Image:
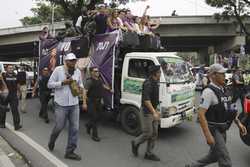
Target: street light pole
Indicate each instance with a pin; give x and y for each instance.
(52, 19)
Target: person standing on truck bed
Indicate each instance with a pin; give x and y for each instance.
(94, 91)
(67, 82)
(44, 93)
(216, 113)
(11, 81)
(150, 116)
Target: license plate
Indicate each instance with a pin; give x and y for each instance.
(189, 117)
(186, 116)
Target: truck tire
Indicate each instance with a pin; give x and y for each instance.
(130, 120)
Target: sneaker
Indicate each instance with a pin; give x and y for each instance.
(51, 146)
(134, 148)
(2, 126)
(96, 138)
(18, 127)
(151, 157)
(73, 156)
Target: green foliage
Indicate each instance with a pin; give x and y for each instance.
(232, 8)
(65, 9)
(43, 14)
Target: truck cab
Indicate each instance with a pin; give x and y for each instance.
(176, 94)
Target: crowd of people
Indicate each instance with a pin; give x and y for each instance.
(104, 20)
(110, 19)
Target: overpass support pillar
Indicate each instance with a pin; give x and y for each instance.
(204, 56)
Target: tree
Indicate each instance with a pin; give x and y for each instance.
(64, 9)
(236, 8)
(42, 14)
(73, 7)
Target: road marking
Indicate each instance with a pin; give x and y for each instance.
(4, 160)
(53, 159)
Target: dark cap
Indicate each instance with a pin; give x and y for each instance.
(153, 69)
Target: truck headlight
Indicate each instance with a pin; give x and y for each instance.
(172, 110)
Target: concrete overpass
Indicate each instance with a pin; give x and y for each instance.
(22, 41)
(202, 34)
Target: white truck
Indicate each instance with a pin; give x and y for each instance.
(124, 68)
(176, 89)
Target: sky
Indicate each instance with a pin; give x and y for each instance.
(13, 10)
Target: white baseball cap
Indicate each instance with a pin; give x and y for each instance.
(70, 56)
(216, 68)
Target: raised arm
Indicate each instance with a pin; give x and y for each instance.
(145, 11)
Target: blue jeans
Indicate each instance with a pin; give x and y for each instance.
(62, 113)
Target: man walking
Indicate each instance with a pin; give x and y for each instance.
(21, 77)
(44, 93)
(216, 113)
(10, 79)
(150, 116)
(3, 107)
(94, 89)
(67, 81)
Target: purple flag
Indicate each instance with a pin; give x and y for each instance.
(103, 57)
(52, 52)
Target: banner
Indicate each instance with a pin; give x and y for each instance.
(52, 51)
(103, 57)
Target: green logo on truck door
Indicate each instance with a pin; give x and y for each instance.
(132, 86)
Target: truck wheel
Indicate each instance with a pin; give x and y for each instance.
(130, 120)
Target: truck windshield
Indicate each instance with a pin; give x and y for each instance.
(175, 70)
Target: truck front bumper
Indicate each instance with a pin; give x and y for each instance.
(174, 120)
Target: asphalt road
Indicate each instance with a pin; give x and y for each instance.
(176, 146)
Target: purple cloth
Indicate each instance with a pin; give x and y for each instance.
(103, 58)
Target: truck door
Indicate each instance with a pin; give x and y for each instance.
(135, 71)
